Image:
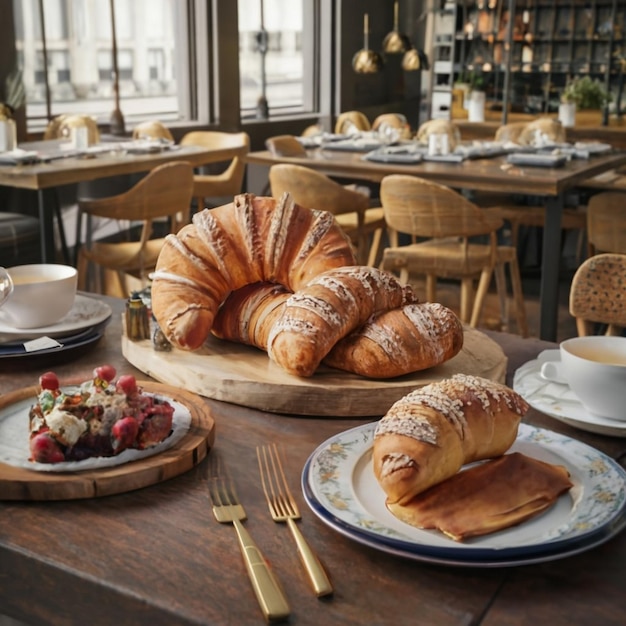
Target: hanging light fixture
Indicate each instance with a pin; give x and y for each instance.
(395, 42)
(117, 117)
(366, 61)
(415, 60)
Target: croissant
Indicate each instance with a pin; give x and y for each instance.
(392, 343)
(248, 314)
(427, 436)
(329, 307)
(253, 239)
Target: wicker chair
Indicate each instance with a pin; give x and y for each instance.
(522, 215)
(447, 222)
(164, 195)
(598, 295)
(349, 121)
(393, 120)
(228, 183)
(351, 208)
(606, 223)
(285, 146)
(152, 129)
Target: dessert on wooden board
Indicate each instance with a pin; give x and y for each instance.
(99, 418)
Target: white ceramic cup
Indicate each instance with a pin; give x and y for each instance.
(42, 295)
(595, 369)
(80, 137)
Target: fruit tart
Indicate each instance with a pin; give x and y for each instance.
(99, 418)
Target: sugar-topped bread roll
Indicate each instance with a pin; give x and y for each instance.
(427, 436)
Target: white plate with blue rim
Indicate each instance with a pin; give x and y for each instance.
(339, 486)
(557, 400)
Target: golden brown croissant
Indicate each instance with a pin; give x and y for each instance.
(329, 307)
(248, 314)
(428, 435)
(253, 239)
(391, 343)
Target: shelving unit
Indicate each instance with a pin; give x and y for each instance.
(549, 42)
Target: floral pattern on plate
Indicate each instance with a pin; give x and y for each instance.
(340, 487)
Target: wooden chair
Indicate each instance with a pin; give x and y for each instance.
(606, 223)
(522, 215)
(285, 146)
(315, 190)
(439, 126)
(152, 129)
(61, 127)
(598, 295)
(350, 121)
(393, 120)
(164, 197)
(447, 223)
(228, 183)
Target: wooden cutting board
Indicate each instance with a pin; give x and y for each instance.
(17, 483)
(244, 375)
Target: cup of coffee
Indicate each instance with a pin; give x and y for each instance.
(595, 369)
(41, 294)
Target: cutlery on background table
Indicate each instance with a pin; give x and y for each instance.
(283, 508)
(227, 509)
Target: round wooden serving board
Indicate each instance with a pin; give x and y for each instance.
(18, 483)
(243, 375)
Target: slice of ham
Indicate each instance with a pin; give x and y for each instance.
(488, 497)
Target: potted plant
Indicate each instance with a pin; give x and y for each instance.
(581, 93)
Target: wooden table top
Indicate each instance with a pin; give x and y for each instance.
(490, 174)
(65, 171)
(157, 556)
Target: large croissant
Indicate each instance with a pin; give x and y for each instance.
(411, 338)
(253, 239)
(391, 343)
(329, 307)
(428, 435)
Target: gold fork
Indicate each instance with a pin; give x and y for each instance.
(226, 509)
(283, 508)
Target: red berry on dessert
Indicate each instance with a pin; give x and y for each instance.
(99, 418)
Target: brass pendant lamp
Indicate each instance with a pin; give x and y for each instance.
(395, 42)
(366, 61)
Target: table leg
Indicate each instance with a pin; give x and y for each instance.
(550, 269)
(49, 198)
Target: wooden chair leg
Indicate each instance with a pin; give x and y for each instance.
(518, 297)
(375, 247)
(404, 275)
(481, 293)
(431, 288)
(467, 297)
(503, 299)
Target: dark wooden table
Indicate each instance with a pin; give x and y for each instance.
(156, 555)
(492, 174)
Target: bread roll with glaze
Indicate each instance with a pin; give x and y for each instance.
(411, 338)
(253, 239)
(427, 436)
(333, 304)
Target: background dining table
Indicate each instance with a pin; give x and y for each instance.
(60, 165)
(157, 556)
(493, 174)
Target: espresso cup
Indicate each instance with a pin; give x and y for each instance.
(594, 367)
(42, 294)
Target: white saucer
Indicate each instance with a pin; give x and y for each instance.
(86, 312)
(558, 400)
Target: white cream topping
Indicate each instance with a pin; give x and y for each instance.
(395, 461)
(64, 426)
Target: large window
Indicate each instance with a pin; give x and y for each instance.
(73, 71)
(276, 55)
